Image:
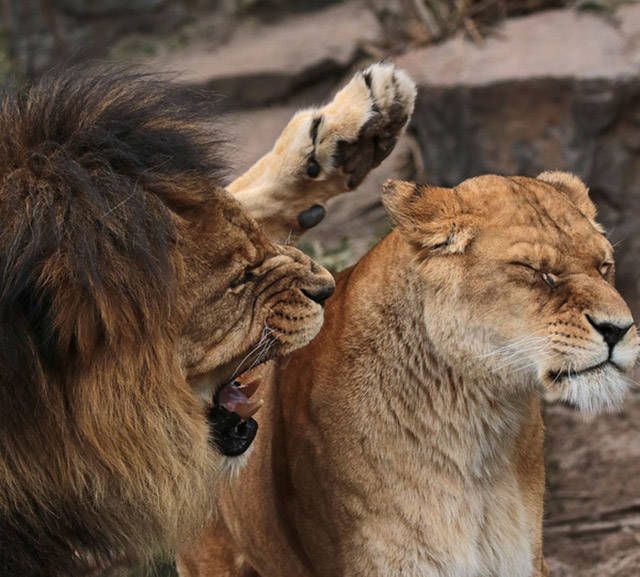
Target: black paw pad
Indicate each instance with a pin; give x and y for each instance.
(313, 168)
(311, 216)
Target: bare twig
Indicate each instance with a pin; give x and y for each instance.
(576, 495)
(427, 19)
(596, 516)
(581, 529)
(472, 31)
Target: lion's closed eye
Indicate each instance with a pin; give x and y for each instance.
(246, 276)
(525, 265)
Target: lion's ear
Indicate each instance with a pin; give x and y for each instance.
(576, 190)
(427, 216)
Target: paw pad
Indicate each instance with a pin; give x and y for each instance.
(392, 96)
(312, 216)
(313, 168)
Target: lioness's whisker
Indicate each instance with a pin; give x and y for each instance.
(515, 347)
(517, 355)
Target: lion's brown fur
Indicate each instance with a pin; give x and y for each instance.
(131, 282)
(109, 209)
(98, 173)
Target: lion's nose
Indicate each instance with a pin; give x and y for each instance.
(319, 294)
(611, 333)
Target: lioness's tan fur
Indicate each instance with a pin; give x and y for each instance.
(407, 439)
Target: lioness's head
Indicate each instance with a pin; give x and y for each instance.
(520, 282)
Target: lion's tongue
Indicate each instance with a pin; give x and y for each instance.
(236, 398)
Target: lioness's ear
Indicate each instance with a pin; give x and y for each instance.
(427, 216)
(570, 185)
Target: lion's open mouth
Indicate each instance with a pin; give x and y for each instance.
(232, 428)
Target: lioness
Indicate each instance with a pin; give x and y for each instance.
(407, 439)
(132, 284)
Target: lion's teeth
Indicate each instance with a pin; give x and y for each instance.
(250, 388)
(235, 398)
(248, 409)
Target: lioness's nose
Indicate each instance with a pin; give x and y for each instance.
(611, 333)
(320, 294)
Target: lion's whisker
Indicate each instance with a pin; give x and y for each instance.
(253, 351)
(260, 351)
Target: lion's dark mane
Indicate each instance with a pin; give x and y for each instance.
(94, 169)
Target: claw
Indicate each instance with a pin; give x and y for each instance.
(246, 410)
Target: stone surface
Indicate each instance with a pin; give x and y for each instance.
(556, 90)
(408, 22)
(556, 44)
(38, 35)
(263, 64)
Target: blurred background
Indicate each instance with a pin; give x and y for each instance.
(505, 86)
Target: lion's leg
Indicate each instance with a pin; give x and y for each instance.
(325, 151)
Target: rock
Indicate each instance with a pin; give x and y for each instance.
(81, 8)
(593, 474)
(556, 44)
(39, 35)
(555, 90)
(407, 22)
(262, 64)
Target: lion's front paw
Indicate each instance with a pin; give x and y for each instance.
(323, 152)
(358, 129)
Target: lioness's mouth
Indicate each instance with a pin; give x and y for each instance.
(557, 376)
(232, 427)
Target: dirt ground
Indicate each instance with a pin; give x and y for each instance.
(593, 504)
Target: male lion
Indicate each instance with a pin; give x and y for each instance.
(407, 439)
(132, 284)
